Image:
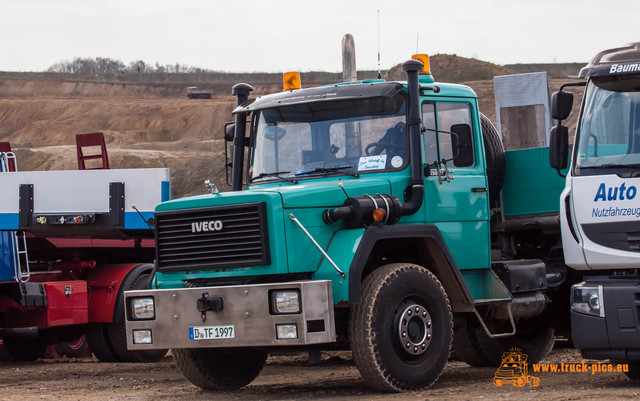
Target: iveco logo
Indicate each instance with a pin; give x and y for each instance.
(204, 226)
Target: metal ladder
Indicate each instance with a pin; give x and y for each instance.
(8, 163)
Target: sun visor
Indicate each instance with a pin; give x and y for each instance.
(320, 94)
(621, 60)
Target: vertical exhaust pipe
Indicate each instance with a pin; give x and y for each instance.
(241, 91)
(411, 67)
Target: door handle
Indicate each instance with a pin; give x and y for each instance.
(479, 189)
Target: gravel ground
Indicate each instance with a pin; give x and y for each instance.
(291, 378)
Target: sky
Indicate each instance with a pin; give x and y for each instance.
(303, 35)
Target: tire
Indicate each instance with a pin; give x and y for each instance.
(73, 349)
(99, 343)
(25, 349)
(634, 369)
(395, 348)
(466, 346)
(220, 368)
(116, 334)
(534, 340)
(494, 155)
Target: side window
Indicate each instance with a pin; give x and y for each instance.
(448, 135)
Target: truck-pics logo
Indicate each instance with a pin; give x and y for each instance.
(514, 369)
(206, 226)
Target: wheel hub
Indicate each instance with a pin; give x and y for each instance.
(415, 329)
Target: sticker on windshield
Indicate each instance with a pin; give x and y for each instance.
(372, 162)
(396, 161)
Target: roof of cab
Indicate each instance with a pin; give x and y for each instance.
(621, 60)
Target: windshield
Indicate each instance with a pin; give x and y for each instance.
(609, 133)
(330, 137)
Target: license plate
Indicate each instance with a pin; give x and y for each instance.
(211, 332)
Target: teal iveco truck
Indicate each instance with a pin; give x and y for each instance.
(370, 216)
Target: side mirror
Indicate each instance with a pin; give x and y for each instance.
(559, 147)
(229, 131)
(461, 145)
(561, 104)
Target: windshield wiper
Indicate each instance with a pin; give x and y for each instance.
(275, 174)
(328, 170)
(612, 165)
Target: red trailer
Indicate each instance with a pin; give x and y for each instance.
(71, 242)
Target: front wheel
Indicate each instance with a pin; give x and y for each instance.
(220, 368)
(401, 331)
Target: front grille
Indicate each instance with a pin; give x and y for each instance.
(224, 236)
(622, 235)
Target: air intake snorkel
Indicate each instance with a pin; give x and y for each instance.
(357, 211)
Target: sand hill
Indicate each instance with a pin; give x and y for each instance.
(154, 124)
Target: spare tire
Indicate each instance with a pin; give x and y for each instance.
(494, 155)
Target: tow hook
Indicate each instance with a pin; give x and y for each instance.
(205, 304)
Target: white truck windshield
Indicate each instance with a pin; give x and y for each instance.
(609, 133)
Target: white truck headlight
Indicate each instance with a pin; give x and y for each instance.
(587, 299)
(142, 308)
(285, 302)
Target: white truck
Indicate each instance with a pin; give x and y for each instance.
(600, 206)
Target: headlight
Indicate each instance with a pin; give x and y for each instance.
(287, 331)
(142, 308)
(142, 337)
(587, 299)
(285, 302)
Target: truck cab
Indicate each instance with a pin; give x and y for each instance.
(599, 206)
(362, 217)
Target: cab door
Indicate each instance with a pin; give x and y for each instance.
(456, 192)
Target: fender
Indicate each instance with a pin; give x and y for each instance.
(433, 245)
(107, 284)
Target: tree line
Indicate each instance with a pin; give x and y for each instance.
(106, 65)
(108, 69)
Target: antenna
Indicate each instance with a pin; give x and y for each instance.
(141, 216)
(379, 74)
(417, 42)
(343, 190)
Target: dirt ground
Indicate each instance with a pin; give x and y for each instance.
(290, 378)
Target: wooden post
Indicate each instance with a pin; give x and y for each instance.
(349, 73)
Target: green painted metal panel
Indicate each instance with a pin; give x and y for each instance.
(484, 285)
(531, 186)
(468, 242)
(341, 250)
